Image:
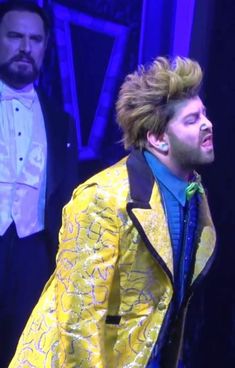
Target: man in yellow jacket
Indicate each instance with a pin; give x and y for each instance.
(136, 238)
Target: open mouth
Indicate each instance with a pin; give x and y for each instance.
(207, 141)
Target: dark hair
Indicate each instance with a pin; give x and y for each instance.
(25, 5)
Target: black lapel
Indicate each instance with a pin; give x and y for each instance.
(140, 178)
(141, 181)
(56, 132)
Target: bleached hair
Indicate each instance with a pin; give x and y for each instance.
(148, 97)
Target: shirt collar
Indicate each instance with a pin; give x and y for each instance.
(162, 174)
(25, 95)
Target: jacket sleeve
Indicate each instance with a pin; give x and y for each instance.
(85, 269)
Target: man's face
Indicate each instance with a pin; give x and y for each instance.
(189, 135)
(22, 47)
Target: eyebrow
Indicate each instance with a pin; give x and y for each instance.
(196, 113)
(191, 114)
(18, 33)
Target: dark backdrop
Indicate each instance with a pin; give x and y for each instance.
(216, 345)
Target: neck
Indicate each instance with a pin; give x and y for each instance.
(181, 172)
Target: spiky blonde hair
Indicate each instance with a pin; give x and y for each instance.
(148, 97)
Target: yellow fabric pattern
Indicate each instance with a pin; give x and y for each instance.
(104, 269)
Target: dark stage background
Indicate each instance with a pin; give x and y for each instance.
(96, 43)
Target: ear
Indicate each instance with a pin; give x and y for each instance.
(159, 143)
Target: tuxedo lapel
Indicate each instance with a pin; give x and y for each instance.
(56, 145)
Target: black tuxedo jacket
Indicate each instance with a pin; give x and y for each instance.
(62, 166)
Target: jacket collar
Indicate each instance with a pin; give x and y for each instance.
(141, 179)
(146, 211)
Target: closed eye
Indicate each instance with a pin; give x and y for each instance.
(191, 119)
(37, 38)
(14, 35)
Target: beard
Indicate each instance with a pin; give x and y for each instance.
(20, 76)
(189, 157)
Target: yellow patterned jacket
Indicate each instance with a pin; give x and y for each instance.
(106, 302)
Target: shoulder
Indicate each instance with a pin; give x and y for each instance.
(50, 107)
(109, 185)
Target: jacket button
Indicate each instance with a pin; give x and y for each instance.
(161, 306)
(149, 344)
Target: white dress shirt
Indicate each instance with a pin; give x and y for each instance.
(22, 160)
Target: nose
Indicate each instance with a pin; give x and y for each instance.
(25, 45)
(206, 124)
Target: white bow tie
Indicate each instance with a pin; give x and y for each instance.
(25, 97)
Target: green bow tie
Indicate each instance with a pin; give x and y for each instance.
(194, 186)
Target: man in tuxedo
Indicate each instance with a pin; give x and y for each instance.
(37, 146)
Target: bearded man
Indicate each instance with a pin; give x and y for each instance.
(37, 145)
(136, 239)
